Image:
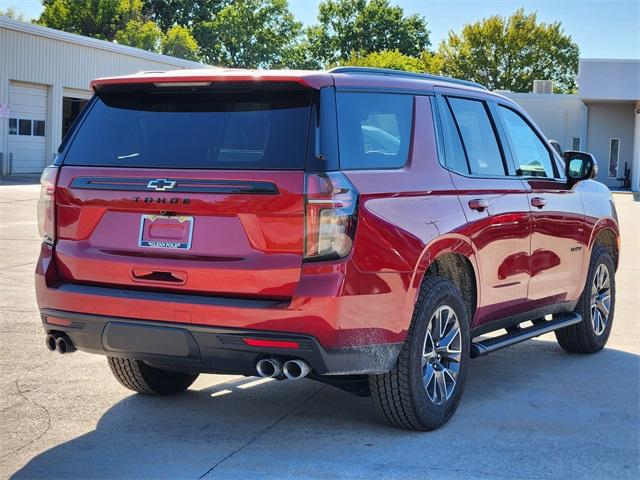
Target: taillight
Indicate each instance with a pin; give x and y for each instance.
(331, 216)
(47, 205)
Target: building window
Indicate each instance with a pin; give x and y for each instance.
(24, 127)
(575, 143)
(614, 150)
(38, 128)
(21, 126)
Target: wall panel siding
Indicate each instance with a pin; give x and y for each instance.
(57, 62)
(36, 59)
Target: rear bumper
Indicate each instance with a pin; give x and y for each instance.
(333, 302)
(185, 347)
(350, 322)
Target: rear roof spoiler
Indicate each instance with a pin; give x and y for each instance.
(210, 76)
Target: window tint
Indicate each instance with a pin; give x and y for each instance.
(454, 151)
(236, 130)
(374, 129)
(478, 137)
(531, 156)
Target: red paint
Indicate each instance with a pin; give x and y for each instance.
(252, 246)
(257, 342)
(219, 75)
(242, 244)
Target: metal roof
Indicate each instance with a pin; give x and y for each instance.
(41, 31)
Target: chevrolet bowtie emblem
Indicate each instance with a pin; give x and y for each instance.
(161, 184)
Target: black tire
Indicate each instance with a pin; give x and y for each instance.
(143, 378)
(582, 337)
(400, 395)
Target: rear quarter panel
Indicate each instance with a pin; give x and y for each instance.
(407, 217)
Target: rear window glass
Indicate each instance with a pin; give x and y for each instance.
(374, 130)
(209, 130)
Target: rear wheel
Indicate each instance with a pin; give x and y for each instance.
(143, 378)
(425, 387)
(596, 306)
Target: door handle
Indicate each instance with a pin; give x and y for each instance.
(478, 204)
(538, 202)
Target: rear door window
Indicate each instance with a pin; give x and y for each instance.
(478, 136)
(455, 157)
(208, 130)
(374, 129)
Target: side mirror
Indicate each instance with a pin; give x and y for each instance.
(580, 166)
(556, 146)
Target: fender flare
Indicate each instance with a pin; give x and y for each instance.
(600, 226)
(437, 247)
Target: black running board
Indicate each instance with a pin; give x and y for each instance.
(484, 347)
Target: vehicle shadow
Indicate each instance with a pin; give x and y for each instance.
(530, 409)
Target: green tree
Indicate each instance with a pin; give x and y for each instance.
(250, 34)
(510, 53)
(360, 27)
(178, 42)
(386, 59)
(187, 13)
(93, 18)
(140, 34)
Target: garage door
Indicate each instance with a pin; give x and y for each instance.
(27, 127)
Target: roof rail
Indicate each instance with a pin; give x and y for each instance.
(401, 73)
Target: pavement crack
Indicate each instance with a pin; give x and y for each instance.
(262, 432)
(21, 393)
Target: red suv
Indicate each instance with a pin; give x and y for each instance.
(361, 227)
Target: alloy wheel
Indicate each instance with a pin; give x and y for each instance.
(441, 355)
(600, 299)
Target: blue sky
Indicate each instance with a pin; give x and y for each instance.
(602, 29)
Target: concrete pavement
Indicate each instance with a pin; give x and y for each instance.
(531, 411)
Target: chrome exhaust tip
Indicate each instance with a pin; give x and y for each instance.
(269, 368)
(64, 345)
(51, 342)
(295, 369)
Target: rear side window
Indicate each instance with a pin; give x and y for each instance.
(455, 157)
(478, 137)
(208, 130)
(531, 155)
(374, 130)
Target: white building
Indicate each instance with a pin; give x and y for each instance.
(44, 83)
(603, 118)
